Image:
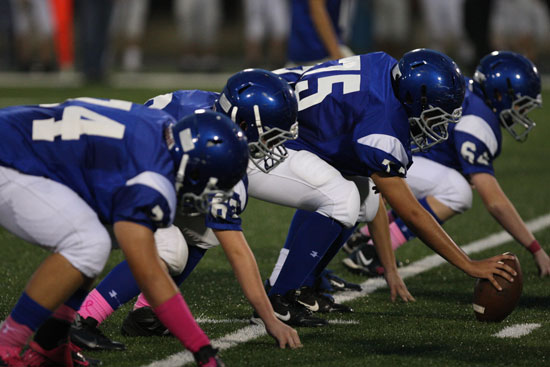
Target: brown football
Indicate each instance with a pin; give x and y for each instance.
(489, 304)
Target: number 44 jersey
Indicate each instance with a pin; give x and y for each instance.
(349, 116)
(112, 153)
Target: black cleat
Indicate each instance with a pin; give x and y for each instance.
(143, 322)
(206, 356)
(86, 335)
(364, 260)
(315, 301)
(289, 311)
(329, 282)
(356, 239)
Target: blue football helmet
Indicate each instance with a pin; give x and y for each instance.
(266, 108)
(431, 87)
(510, 85)
(211, 156)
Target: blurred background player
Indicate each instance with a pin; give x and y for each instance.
(75, 185)
(33, 32)
(265, 107)
(316, 31)
(128, 24)
(505, 88)
(266, 20)
(198, 23)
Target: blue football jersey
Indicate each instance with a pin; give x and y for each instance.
(111, 153)
(304, 44)
(474, 142)
(349, 116)
(183, 102)
(222, 216)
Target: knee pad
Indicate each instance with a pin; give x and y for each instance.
(90, 255)
(369, 206)
(172, 249)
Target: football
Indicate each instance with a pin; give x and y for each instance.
(489, 304)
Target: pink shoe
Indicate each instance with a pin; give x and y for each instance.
(11, 356)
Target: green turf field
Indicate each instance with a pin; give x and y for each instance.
(437, 330)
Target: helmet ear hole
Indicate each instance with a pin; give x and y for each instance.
(243, 125)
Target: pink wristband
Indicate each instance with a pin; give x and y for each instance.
(534, 247)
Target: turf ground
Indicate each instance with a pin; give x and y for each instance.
(439, 329)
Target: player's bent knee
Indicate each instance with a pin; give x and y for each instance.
(87, 254)
(369, 206)
(459, 196)
(172, 249)
(346, 204)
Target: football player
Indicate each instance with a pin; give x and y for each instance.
(505, 88)
(265, 107)
(357, 117)
(66, 170)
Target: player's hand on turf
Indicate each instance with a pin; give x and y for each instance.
(397, 286)
(543, 262)
(487, 269)
(283, 334)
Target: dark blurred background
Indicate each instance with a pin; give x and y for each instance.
(100, 38)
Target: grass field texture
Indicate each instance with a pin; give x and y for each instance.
(439, 329)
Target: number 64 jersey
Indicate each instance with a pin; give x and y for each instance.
(111, 153)
(349, 116)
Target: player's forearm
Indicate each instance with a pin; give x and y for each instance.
(431, 233)
(508, 217)
(137, 243)
(379, 230)
(246, 271)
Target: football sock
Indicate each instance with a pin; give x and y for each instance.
(278, 266)
(26, 317)
(177, 317)
(96, 307)
(334, 248)
(308, 240)
(365, 228)
(195, 255)
(117, 288)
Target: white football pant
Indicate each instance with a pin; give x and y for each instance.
(44, 212)
(429, 178)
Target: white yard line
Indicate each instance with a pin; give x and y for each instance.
(253, 331)
(517, 330)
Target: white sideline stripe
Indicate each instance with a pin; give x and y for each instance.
(205, 320)
(517, 330)
(254, 331)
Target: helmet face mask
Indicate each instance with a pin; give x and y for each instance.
(268, 151)
(515, 119)
(510, 85)
(431, 87)
(210, 154)
(265, 106)
(431, 127)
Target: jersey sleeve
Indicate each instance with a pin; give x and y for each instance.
(476, 145)
(383, 153)
(148, 199)
(226, 215)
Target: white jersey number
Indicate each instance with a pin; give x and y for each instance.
(468, 150)
(348, 76)
(78, 120)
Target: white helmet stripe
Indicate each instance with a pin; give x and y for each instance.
(258, 119)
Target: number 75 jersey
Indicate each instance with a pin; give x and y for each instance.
(349, 116)
(111, 153)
